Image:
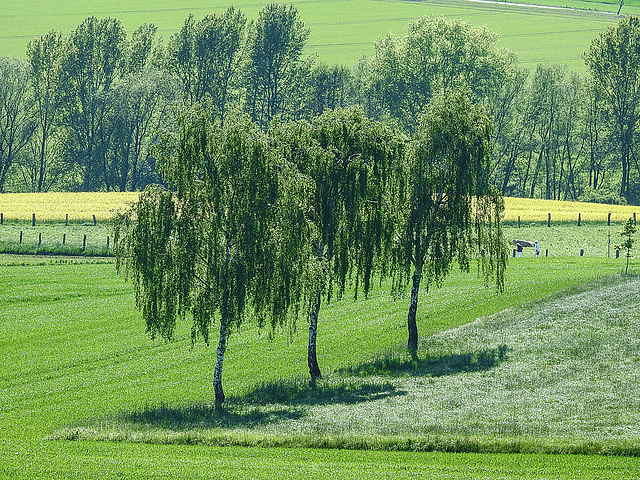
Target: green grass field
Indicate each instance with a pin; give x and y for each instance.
(562, 239)
(75, 238)
(77, 364)
(342, 31)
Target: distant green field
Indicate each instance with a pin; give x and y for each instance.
(342, 31)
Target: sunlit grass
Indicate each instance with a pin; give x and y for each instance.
(77, 364)
(75, 347)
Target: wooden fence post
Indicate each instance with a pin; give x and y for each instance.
(66, 220)
(549, 220)
(109, 239)
(40, 239)
(64, 238)
(84, 242)
(518, 221)
(1, 218)
(20, 236)
(609, 220)
(579, 218)
(95, 222)
(33, 220)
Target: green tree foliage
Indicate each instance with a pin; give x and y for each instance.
(144, 49)
(613, 61)
(448, 211)
(100, 98)
(506, 100)
(346, 161)
(16, 125)
(276, 41)
(329, 88)
(42, 166)
(550, 125)
(92, 60)
(627, 232)
(140, 109)
(434, 55)
(208, 246)
(206, 56)
(601, 151)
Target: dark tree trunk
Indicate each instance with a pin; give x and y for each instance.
(412, 344)
(312, 359)
(217, 374)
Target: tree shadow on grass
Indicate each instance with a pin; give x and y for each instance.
(283, 400)
(206, 416)
(396, 365)
(335, 390)
(268, 403)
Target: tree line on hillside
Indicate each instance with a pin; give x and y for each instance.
(84, 111)
(269, 224)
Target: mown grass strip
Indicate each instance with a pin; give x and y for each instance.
(383, 443)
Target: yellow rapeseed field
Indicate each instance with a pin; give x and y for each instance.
(82, 207)
(533, 210)
(55, 206)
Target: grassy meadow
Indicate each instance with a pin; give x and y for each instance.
(516, 372)
(342, 31)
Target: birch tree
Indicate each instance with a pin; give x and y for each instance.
(206, 247)
(346, 161)
(448, 212)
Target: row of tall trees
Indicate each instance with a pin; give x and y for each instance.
(85, 109)
(268, 225)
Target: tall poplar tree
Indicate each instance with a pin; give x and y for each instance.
(613, 61)
(435, 54)
(206, 55)
(43, 55)
(91, 62)
(16, 125)
(448, 210)
(274, 51)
